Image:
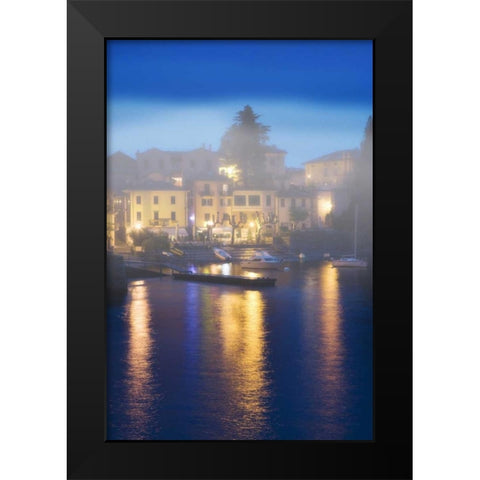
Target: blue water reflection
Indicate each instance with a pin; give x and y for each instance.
(200, 361)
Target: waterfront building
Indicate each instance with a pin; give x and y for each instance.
(158, 206)
(253, 213)
(210, 207)
(296, 208)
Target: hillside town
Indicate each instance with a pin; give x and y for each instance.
(242, 194)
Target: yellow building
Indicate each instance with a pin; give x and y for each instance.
(334, 170)
(158, 206)
(254, 211)
(211, 203)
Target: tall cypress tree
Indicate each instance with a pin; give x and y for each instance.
(244, 144)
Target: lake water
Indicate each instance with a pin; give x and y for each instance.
(193, 361)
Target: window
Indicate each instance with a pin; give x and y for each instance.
(254, 200)
(138, 200)
(269, 200)
(139, 216)
(282, 202)
(293, 203)
(207, 217)
(222, 202)
(155, 200)
(155, 215)
(173, 216)
(207, 201)
(172, 200)
(239, 200)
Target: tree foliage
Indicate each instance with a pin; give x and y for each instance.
(244, 144)
(298, 214)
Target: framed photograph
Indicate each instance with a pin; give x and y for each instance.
(239, 239)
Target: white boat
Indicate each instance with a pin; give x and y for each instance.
(351, 260)
(222, 254)
(262, 259)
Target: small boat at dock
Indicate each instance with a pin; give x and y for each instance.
(351, 261)
(262, 259)
(222, 254)
(226, 279)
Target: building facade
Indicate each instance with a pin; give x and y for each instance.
(158, 206)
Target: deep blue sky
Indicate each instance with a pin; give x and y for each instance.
(315, 95)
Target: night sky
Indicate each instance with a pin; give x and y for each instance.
(316, 95)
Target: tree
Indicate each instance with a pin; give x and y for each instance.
(298, 214)
(244, 144)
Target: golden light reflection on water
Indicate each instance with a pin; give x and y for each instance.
(242, 329)
(331, 346)
(139, 372)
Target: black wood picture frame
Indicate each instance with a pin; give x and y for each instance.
(389, 24)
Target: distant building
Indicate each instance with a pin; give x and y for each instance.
(274, 161)
(179, 168)
(332, 176)
(331, 171)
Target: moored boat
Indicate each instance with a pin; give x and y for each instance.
(349, 261)
(262, 259)
(222, 254)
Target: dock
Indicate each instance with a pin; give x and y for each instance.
(226, 279)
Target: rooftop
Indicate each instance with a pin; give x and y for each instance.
(338, 155)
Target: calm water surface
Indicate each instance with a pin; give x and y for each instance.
(192, 361)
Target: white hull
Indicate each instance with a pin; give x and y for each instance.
(262, 260)
(222, 255)
(351, 263)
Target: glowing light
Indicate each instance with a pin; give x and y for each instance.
(328, 206)
(138, 226)
(252, 224)
(192, 218)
